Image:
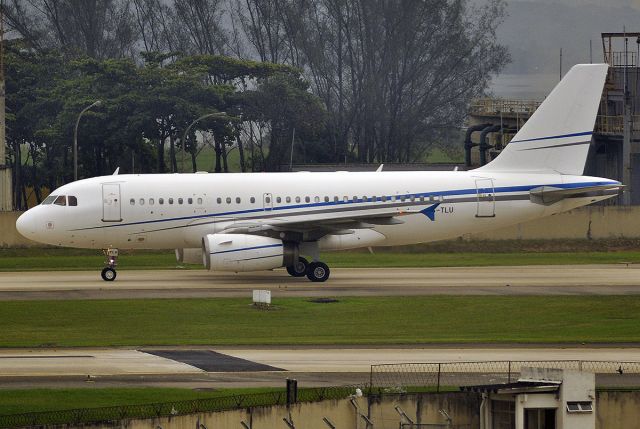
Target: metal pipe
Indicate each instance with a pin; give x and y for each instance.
(468, 144)
(484, 146)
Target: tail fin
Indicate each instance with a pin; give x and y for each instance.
(557, 136)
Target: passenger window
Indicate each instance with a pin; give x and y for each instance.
(374, 199)
(355, 199)
(228, 200)
(267, 200)
(345, 199)
(142, 201)
(297, 199)
(73, 201)
(61, 201)
(151, 201)
(393, 198)
(384, 198)
(161, 201)
(278, 200)
(199, 201)
(219, 200)
(326, 199)
(238, 200)
(180, 200)
(170, 200)
(288, 199)
(307, 199)
(132, 201)
(253, 200)
(316, 199)
(336, 199)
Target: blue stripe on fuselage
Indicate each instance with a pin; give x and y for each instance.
(504, 189)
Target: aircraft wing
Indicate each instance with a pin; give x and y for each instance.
(310, 227)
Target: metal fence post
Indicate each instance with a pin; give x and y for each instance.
(509, 379)
(439, 367)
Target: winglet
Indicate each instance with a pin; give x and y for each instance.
(115, 173)
(379, 168)
(430, 212)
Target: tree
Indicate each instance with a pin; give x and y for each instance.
(282, 104)
(96, 28)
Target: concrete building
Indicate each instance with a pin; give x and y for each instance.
(615, 152)
(540, 399)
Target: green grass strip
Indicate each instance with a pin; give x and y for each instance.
(367, 320)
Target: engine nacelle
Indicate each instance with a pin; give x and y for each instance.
(189, 256)
(244, 252)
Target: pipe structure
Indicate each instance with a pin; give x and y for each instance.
(484, 146)
(468, 144)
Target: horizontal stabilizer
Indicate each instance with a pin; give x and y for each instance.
(548, 195)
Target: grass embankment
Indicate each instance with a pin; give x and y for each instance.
(370, 320)
(73, 259)
(15, 401)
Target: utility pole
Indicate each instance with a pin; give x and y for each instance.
(627, 127)
(6, 188)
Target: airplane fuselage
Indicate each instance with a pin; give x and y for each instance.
(177, 210)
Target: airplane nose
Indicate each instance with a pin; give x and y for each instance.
(25, 224)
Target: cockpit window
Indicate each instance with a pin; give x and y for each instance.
(61, 200)
(73, 201)
(49, 199)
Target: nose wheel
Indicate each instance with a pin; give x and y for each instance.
(108, 273)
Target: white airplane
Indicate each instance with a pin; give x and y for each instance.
(262, 221)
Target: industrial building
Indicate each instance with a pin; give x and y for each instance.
(615, 152)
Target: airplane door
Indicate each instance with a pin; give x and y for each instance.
(111, 203)
(267, 201)
(486, 198)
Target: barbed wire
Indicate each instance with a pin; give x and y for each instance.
(405, 376)
(166, 409)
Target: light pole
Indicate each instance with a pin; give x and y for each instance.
(75, 138)
(184, 136)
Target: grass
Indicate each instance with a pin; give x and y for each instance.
(14, 401)
(369, 320)
(74, 259)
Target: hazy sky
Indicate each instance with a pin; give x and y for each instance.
(536, 30)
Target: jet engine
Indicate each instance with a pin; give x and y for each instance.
(189, 256)
(244, 252)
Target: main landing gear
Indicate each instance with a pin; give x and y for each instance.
(109, 272)
(315, 271)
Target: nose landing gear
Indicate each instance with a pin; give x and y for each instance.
(109, 272)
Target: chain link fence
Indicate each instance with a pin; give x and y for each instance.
(404, 376)
(110, 414)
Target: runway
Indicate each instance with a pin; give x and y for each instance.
(260, 366)
(619, 279)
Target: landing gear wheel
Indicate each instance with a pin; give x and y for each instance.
(108, 274)
(299, 269)
(318, 272)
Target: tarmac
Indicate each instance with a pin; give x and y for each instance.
(615, 279)
(207, 367)
(244, 367)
